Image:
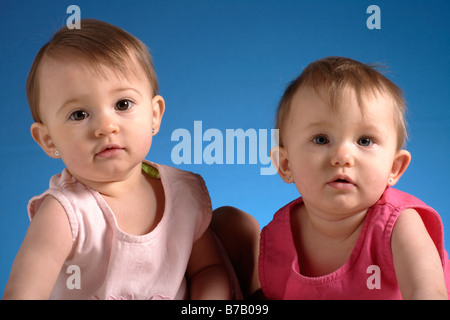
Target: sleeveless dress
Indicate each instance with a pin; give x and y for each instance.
(368, 273)
(107, 263)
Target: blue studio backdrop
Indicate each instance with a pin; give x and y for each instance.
(222, 67)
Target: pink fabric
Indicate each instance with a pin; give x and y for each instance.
(117, 265)
(278, 263)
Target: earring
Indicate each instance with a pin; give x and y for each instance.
(56, 153)
(391, 180)
(153, 131)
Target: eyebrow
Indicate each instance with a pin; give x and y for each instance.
(65, 104)
(315, 124)
(126, 89)
(370, 127)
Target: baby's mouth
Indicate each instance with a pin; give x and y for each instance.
(109, 150)
(342, 182)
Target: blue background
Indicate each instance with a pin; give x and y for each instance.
(226, 63)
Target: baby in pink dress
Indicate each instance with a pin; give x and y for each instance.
(350, 235)
(111, 225)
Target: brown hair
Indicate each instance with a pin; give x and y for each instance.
(334, 74)
(99, 43)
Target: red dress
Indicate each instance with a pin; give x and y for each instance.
(368, 273)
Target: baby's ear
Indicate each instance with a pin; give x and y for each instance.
(401, 163)
(158, 106)
(40, 134)
(280, 161)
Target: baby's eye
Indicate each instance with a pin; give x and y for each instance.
(78, 115)
(365, 142)
(123, 105)
(321, 140)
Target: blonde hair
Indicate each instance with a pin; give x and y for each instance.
(333, 75)
(98, 43)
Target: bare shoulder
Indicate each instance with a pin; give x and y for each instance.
(52, 216)
(46, 246)
(408, 218)
(410, 234)
(416, 259)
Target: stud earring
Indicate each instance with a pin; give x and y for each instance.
(391, 180)
(56, 153)
(153, 131)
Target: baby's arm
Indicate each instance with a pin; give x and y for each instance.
(418, 266)
(206, 272)
(46, 246)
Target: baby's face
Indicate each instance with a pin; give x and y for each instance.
(101, 125)
(341, 161)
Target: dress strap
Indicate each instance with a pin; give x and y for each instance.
(150, 170)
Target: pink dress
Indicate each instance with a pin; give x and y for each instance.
(107, 263)
(368, 273)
